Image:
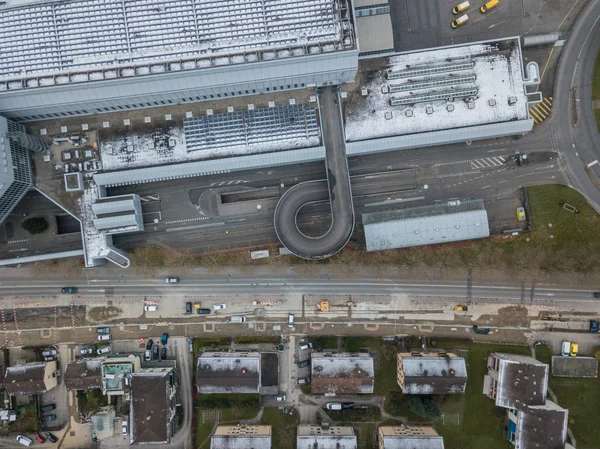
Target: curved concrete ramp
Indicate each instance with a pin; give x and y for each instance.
(337, 184)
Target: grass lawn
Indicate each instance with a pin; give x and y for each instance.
(27, 421)
(283, 431)
(472, 421)
(256, 340)
(203, 431)
(365, 435)
(581, 397)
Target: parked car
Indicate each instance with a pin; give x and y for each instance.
(124, 427)
(39, 438)
(304, 363)
(49, 359)
(202, 311)
(188, 308)
(148, 355)
(155, 352)
(593, 326)
(103, 330)
(574, 350)
(521, 214)
(480, 331)
(191, 343)
(152, 308)
(69, 290)
(48, 418)
(103, 350)
(22, 439)
(305, 346)
(171, 280)
(163, 353)
(86, 351)
(238, 319)
(280, 398)
(47, 408)
(49, 352)
(164, 339)
(596, 294)
(304, 380)
(149, 344)
(333, 406)
(104, 337)
(51, 437)
(219, 306)
(347, 405)
(565, 348)
(291, 319)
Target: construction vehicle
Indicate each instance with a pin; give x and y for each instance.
(461, 308)
(323, 305)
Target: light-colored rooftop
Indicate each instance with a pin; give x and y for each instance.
(375, 33)
(58, 42)
(429, 84)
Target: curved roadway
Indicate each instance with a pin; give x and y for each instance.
(574, 131)
(338, 184)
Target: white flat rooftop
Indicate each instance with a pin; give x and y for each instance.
(450, 87)
(74, 38)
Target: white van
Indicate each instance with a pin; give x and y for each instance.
(24, 440)
(333, 406)
(291, 320)
(238, 319)
(566, 348)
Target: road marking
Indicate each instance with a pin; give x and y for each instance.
(398, 200)
(18, 241)
(186, 220)
(494, 161)
(187, 228)
(449, 175)
(541, 111)
(567, 15)
(486, 187)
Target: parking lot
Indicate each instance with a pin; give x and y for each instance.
(421, 24)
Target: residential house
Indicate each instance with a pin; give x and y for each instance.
(342, 373)
(228, 372)
(519, 384)
(431, 373)
(409, 437)
(314, 437)
(83, 374)
(241, 437)
(30, 378)
(152, 408)
(514, 380)
(116, 371)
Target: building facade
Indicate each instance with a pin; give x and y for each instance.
(334, 437)
(114, 56)
(241, 436)
(404, 437)
(431, 373)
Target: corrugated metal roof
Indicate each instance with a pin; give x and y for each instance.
(363, 3)
(446, 136)
(112, 207)
(375, 33)
(214, 166)
(425, 225)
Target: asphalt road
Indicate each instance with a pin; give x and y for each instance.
(573, 126)
(340, 192)
(278, 285)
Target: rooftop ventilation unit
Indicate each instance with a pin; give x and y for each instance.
(412, 99)
(466, 65)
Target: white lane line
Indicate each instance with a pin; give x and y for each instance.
(486, 187)
(498, 161)
(187, 228)
(399, 200)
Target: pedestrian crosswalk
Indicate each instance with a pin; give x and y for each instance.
(488, 162)
(540, 111)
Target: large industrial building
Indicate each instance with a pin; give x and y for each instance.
(84, 57)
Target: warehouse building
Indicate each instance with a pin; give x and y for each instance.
(426, 225)
(85, 57)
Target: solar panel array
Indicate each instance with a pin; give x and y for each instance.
(63, 36)
(448, 81)
(443, 95)
(252, 128)
(430, 70)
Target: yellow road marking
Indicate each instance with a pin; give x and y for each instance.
(533, 112)
(543, 107)
(570, 10)
(545, 67)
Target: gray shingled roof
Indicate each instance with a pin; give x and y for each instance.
(342, 373)
(434, 375)
(149, 409)
(228, 375)
(83, 374)
(25, 379)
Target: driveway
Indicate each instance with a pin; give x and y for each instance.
(58, 395)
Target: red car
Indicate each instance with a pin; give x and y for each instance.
(39, 438)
